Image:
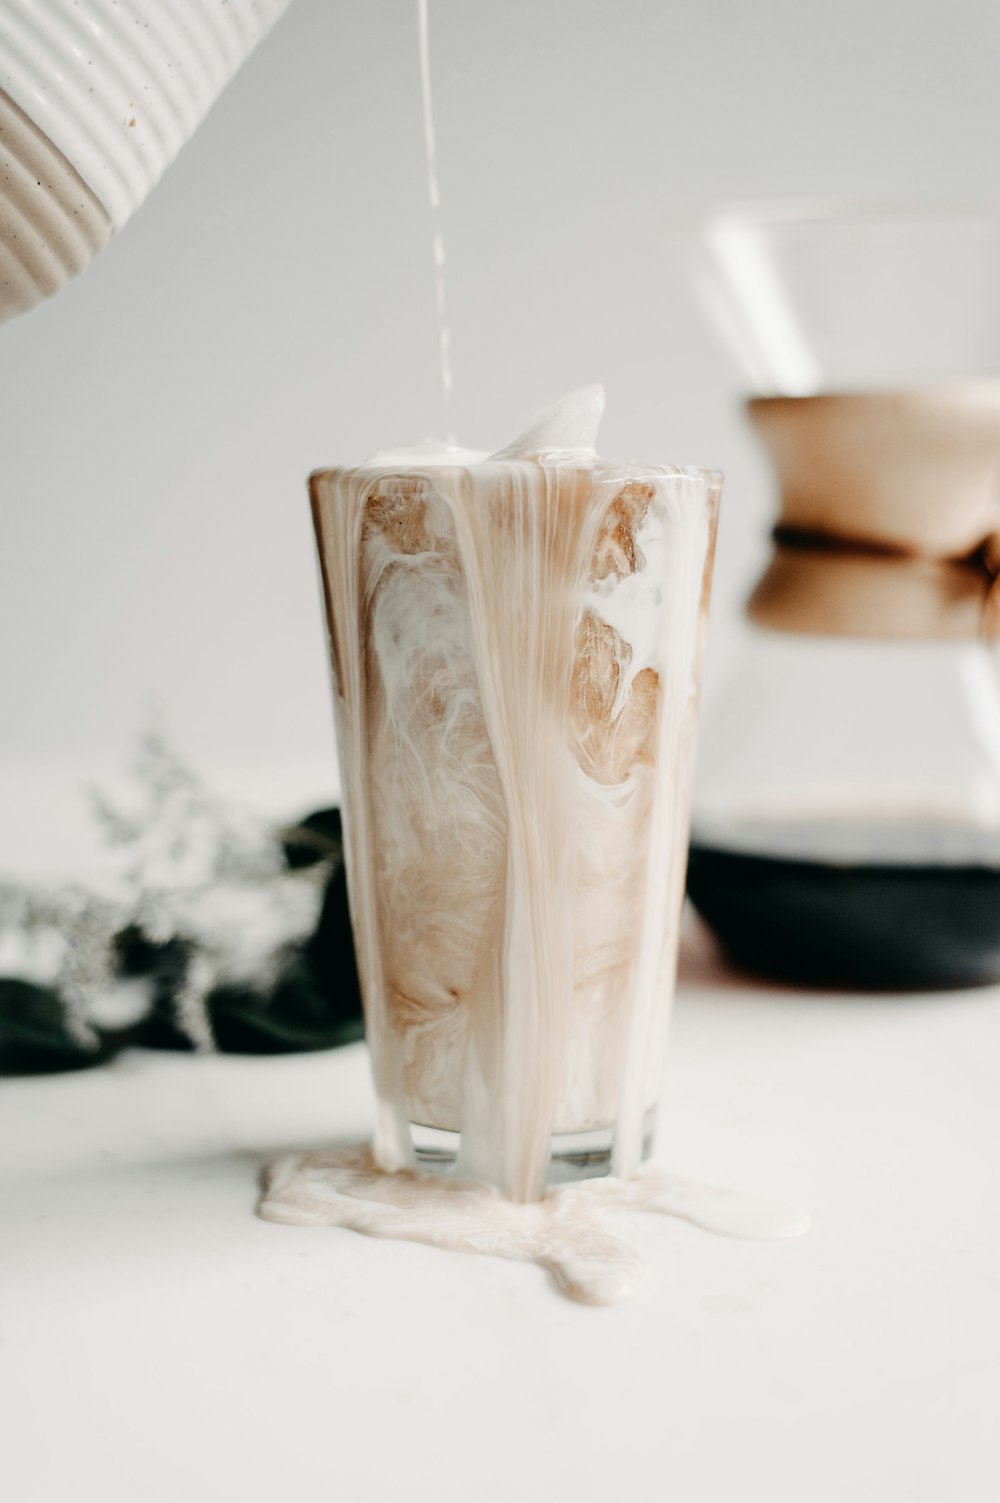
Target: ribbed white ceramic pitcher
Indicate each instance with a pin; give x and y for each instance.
(96, 99)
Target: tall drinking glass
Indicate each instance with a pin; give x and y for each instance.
(516, 646)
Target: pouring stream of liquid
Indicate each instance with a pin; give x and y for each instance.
(444, 331)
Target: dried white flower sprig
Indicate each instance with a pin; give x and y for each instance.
(195, 872)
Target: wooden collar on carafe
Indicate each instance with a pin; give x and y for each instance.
(890, 513)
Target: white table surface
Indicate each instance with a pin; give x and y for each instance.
(158, 1343)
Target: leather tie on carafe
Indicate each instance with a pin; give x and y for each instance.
(890, 513)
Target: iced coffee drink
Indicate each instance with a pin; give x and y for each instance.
(516, 642)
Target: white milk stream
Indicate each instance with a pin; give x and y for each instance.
(434, 193)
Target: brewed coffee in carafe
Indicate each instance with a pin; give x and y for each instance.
(847, 814)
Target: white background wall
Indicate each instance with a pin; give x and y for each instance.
(271, 309)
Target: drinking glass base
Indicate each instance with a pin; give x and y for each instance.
(573, 1155)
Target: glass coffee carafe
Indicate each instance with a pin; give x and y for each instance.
(847, 810)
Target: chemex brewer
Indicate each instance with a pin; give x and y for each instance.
(847, 815)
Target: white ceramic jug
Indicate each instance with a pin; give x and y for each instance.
(96, 99)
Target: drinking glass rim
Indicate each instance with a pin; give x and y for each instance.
(631, 468)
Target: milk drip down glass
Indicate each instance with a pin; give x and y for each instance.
(516, 643)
